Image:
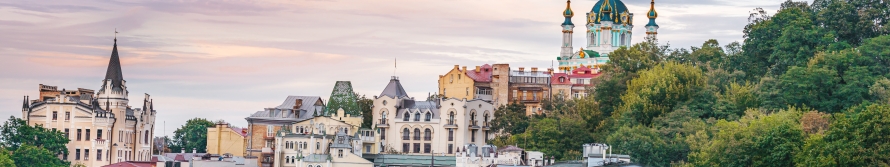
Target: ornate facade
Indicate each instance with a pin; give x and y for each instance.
(103, 128)
(609, 26)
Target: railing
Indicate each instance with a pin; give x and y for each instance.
(417, 137)
(367, 138)
(405, 137)
(427, 138)
(267, 150)
(382, 123)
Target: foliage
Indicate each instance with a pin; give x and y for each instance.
(659, 90)
(814, 122)
(5, 158)
(510, 119)
(645, 145)
(364, 104)
(16, 132)
(191, 135)
(28, 155)
(858, 137)
(758, 139)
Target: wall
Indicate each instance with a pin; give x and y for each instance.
(456, 84)
(222, 139)
(500, 78)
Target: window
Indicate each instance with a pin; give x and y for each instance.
(416, 147)
(450, 134)
(524, 95)
(468, 91)
(444, 91)
(76, 154)
(88, 135)
(406, 117)
(416, 134)
(405, 147)
(340, 153)
(405, 134)
(55, 115)
(562, 79)
(317, 145)
(78, 134)
(473, 136)
(368, 148)
(485, 119)
(382, 134)
(515, 95)
(451, 118)
(429, 116)
(417, 116)
(99, 134)
(145, 135)
(426, 147)
(86, 154)
(66, 133)
(450, 148)
(67, 116)
(427, 134)
(99, 155)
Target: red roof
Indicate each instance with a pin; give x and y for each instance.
(554, 80)
(484, 74)
(131, 164)
(240, 131)
(582, 72)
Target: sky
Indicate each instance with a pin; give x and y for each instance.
(226, 59)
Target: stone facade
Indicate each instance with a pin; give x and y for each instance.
(103, 128)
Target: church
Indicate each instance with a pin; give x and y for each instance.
(102, 128)
(609, 26)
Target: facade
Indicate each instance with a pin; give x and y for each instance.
(609, 26)
(223, 139)
(500, 84)
(411, 127)
(320, 142)
(262, 125)
(529, 88)
(103, 128)
(482, 86)
(574, 84)
(456, 84)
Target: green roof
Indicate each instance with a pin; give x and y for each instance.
(343, 97)
(591, 53)
(410, 160)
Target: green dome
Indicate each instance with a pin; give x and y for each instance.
(609, 10)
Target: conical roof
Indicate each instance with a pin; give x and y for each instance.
(394, 89)
(343, 97)
(25, 103)
(114, 69)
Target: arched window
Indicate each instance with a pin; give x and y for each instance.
(623, 36)
(405, 134)
(485, 119)
(146, 136)
(407, 116)
(427, 134)
(429, 116)
(592, 39)
(417, 116)
(451, 118)
(416, 134)
(317, 145)
(473, 118)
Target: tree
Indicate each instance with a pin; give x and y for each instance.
(644, 145)
(660, 90)
(16, 132)
(5, 159)
(758, 139)
(510, 119)
(364, 104)
(28, 155)
(191, 135)
(860, 136)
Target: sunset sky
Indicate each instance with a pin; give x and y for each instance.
(227, 59)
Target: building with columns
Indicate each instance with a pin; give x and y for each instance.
(437, 126)
(609, 26)
(103, 128)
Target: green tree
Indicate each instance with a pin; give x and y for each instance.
(16, 132)
(758, 139)
(644, 145)
(5, 158)
(364, 104)
(28, 155)
(191, 135)
(510, 119)
(860, 136)
(661, 89)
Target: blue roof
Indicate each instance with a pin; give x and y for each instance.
(652, 23)
(615, 8)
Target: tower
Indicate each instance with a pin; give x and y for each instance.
(113, 93)
(26, 108)
(567, 28)
(652, 28)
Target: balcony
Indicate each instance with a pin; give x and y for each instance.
(269, 136)
(367, 139)
(486, 126)
(450, 126)
(473, 124)
(267, 150)
(382, 123)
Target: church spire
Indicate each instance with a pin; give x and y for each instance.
(25, 104)
(652, 27)
(568, 14)
(567, 30)
(114, 67)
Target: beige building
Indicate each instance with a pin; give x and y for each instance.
(456, 84)
(530, 88)
(223, 139)
(262, 125)
(320, 142)
(103, 128)
(407, 126)
(485, 82)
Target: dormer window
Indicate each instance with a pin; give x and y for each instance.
(562, 79)
(428, 117)
(417, 116)
(406, 117)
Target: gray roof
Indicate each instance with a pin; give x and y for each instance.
(114, 70)
(394, 89)
(423, 106)
(308, 102)
(284, 111)
(316, 158)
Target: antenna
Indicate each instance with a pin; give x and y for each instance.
(395, 63)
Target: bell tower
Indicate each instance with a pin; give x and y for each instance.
(652, 28)
(567, 28)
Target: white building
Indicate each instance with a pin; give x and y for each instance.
(404, 125)
(609, 27)
(103, 128)
(598, 154)
(319, 142)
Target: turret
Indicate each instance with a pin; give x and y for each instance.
(114, 88)
(567, 30)
(651, 27)
(26, 108)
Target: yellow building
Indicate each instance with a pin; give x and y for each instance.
(456, 84)
(223, 139)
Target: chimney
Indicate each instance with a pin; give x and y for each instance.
(549, 70)
(182, 151)
(521, 69)
(534, 69)
(456, 66)
(298, 104)
(194, 150)
(477, 68)
(464, 68)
